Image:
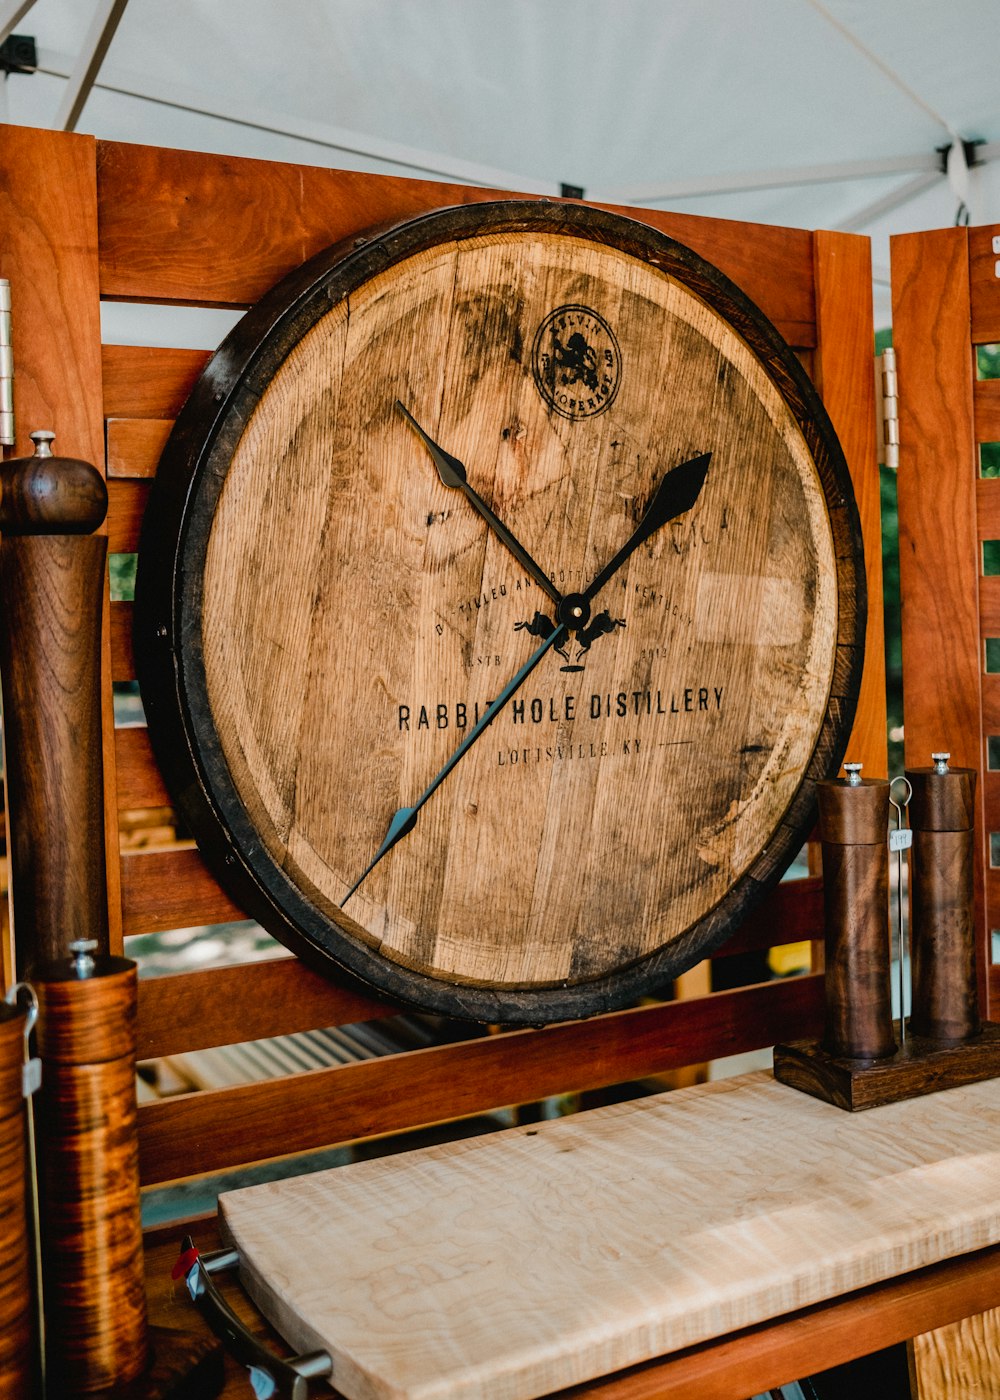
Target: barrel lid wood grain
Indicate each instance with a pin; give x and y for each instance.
(521, 451)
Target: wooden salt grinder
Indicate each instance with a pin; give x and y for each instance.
(95, 1304)
(942, 923)
(854, 825)
(15, 1276)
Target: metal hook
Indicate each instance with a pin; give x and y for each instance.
(12, 999)
(899, 841)
(906, 800)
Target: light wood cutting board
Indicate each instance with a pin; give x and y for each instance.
(510, 1266)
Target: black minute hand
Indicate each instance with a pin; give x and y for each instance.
(676, 493)
(405, 818)
(452, 472)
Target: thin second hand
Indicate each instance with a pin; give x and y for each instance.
(405, 818)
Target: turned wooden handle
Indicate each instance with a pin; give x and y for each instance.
(51, 595)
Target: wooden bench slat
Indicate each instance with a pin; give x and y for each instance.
(171, 889)
(986, 407)
(991, 705)
(988, 508)
(220, 1128)
(135, 445)
(140, 782)
(147, 381)
(126, 507)
(122, 656)
(226, 1005)
(989, 606)
(177, 228)
(221, 1006)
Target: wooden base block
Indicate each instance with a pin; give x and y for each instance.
(182, 1366)
(920, 1067)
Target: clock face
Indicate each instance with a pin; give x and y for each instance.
(507, 583)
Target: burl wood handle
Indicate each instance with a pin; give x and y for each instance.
(51, 593)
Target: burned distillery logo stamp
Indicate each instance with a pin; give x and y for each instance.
(576, 362)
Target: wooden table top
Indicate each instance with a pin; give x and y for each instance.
(542, 1257)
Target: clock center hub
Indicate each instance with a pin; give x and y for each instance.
(574, 611)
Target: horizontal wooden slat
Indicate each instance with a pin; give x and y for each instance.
(991, 704)
(225, 1005)
(148, 382)
(122, 658)
(989, 606)
(135, 444)
(984, 286)
(791, 913)
(140, 783)
(988, 508)
(178, 226)
(174, 889)
(193, 1011)
(126, 507)
(222, 1127)
(986, 408)
(992, 894)
(171, 889)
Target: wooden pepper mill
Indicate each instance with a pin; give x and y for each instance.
(15, 1273)
(942, 923)
(95, 1302)
(51, 591)
(853, 824)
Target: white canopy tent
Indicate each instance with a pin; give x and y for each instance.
(819, 113)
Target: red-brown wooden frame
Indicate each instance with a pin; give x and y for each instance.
(82, 221)
(946, 301)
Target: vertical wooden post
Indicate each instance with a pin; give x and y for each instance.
(845, 376)
(48, 252)
(938, 539)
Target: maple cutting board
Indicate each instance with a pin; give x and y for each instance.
(514, 1265)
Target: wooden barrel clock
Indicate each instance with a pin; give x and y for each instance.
(500, 603)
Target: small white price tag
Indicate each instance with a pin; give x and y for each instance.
(31, 1077)
(900, 840)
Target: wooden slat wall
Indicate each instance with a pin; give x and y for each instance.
(49, 253)
(946, 299)
(182, 227)
(212, 1130)
(281, 996)
(177, 226)
(984, 298)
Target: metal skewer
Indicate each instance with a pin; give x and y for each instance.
(900, 840)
